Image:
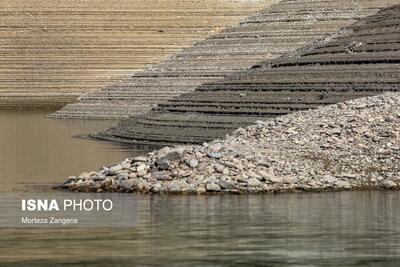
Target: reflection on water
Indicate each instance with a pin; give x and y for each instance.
(35, 150)
(329, 229)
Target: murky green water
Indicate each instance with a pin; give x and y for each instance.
(326, 229)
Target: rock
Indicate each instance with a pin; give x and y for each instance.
(84, 175)
(227, 185)
(163, 164)
(329, 179)
(349, 175)
(388, 184)
(264, 174)
(141, 170)
(219, 168)
(290, 179)
(201, 190)
(215, 155)
(304, 187)
(125, 166)
(141, 185)
(215, 147)
(255, 175)
(132, 175)
(213, 187)
(264, 163)
(161, 176)
(122, 176)
(253, 182)
(334, 131)
(184, 186)
(202, 166)
(174, 187)
(360, 106)
(343, 184)
(126, 185)
(274, 179)
(113, 170)
(229, 164)
(184, 174)
(225, 171)
(156, 188)
(171, 154)
(141, 167)
(193, 163)
(70, 179)
(139, 159)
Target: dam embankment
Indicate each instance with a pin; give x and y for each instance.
(274, 31)
(362, 60)
(52, 53)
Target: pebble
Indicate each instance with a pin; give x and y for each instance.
(388, 184)
(114, 169)
(227, 185)
(329, 179)
(253, 182)
(219, 168)
(193, 163)
(163, 163)
(213, 187)
(215, 155)
(171, 154)
(337, 147)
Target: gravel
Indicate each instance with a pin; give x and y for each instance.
(353, 145)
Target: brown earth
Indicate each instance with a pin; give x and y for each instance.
(51, 53)
(363, 60)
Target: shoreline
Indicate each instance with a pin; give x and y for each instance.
(353, 145)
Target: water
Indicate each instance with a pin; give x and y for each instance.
(304, 229)
(37, 151)
(329, 229)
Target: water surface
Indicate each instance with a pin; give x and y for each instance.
(327, 229)
(38, 151)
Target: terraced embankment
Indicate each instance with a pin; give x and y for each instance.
(362, 61)
(52, 52)
(283, 27)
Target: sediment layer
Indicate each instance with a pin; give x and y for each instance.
(347, 146)
(52, 53)
(363, 60)
(283, 27)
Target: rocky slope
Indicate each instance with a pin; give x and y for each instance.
(362, 60)
(52, 53)
(346, 146)
(283, 27)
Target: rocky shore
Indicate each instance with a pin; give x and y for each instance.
(347, 146)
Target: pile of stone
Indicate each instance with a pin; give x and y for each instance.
(346, 146)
